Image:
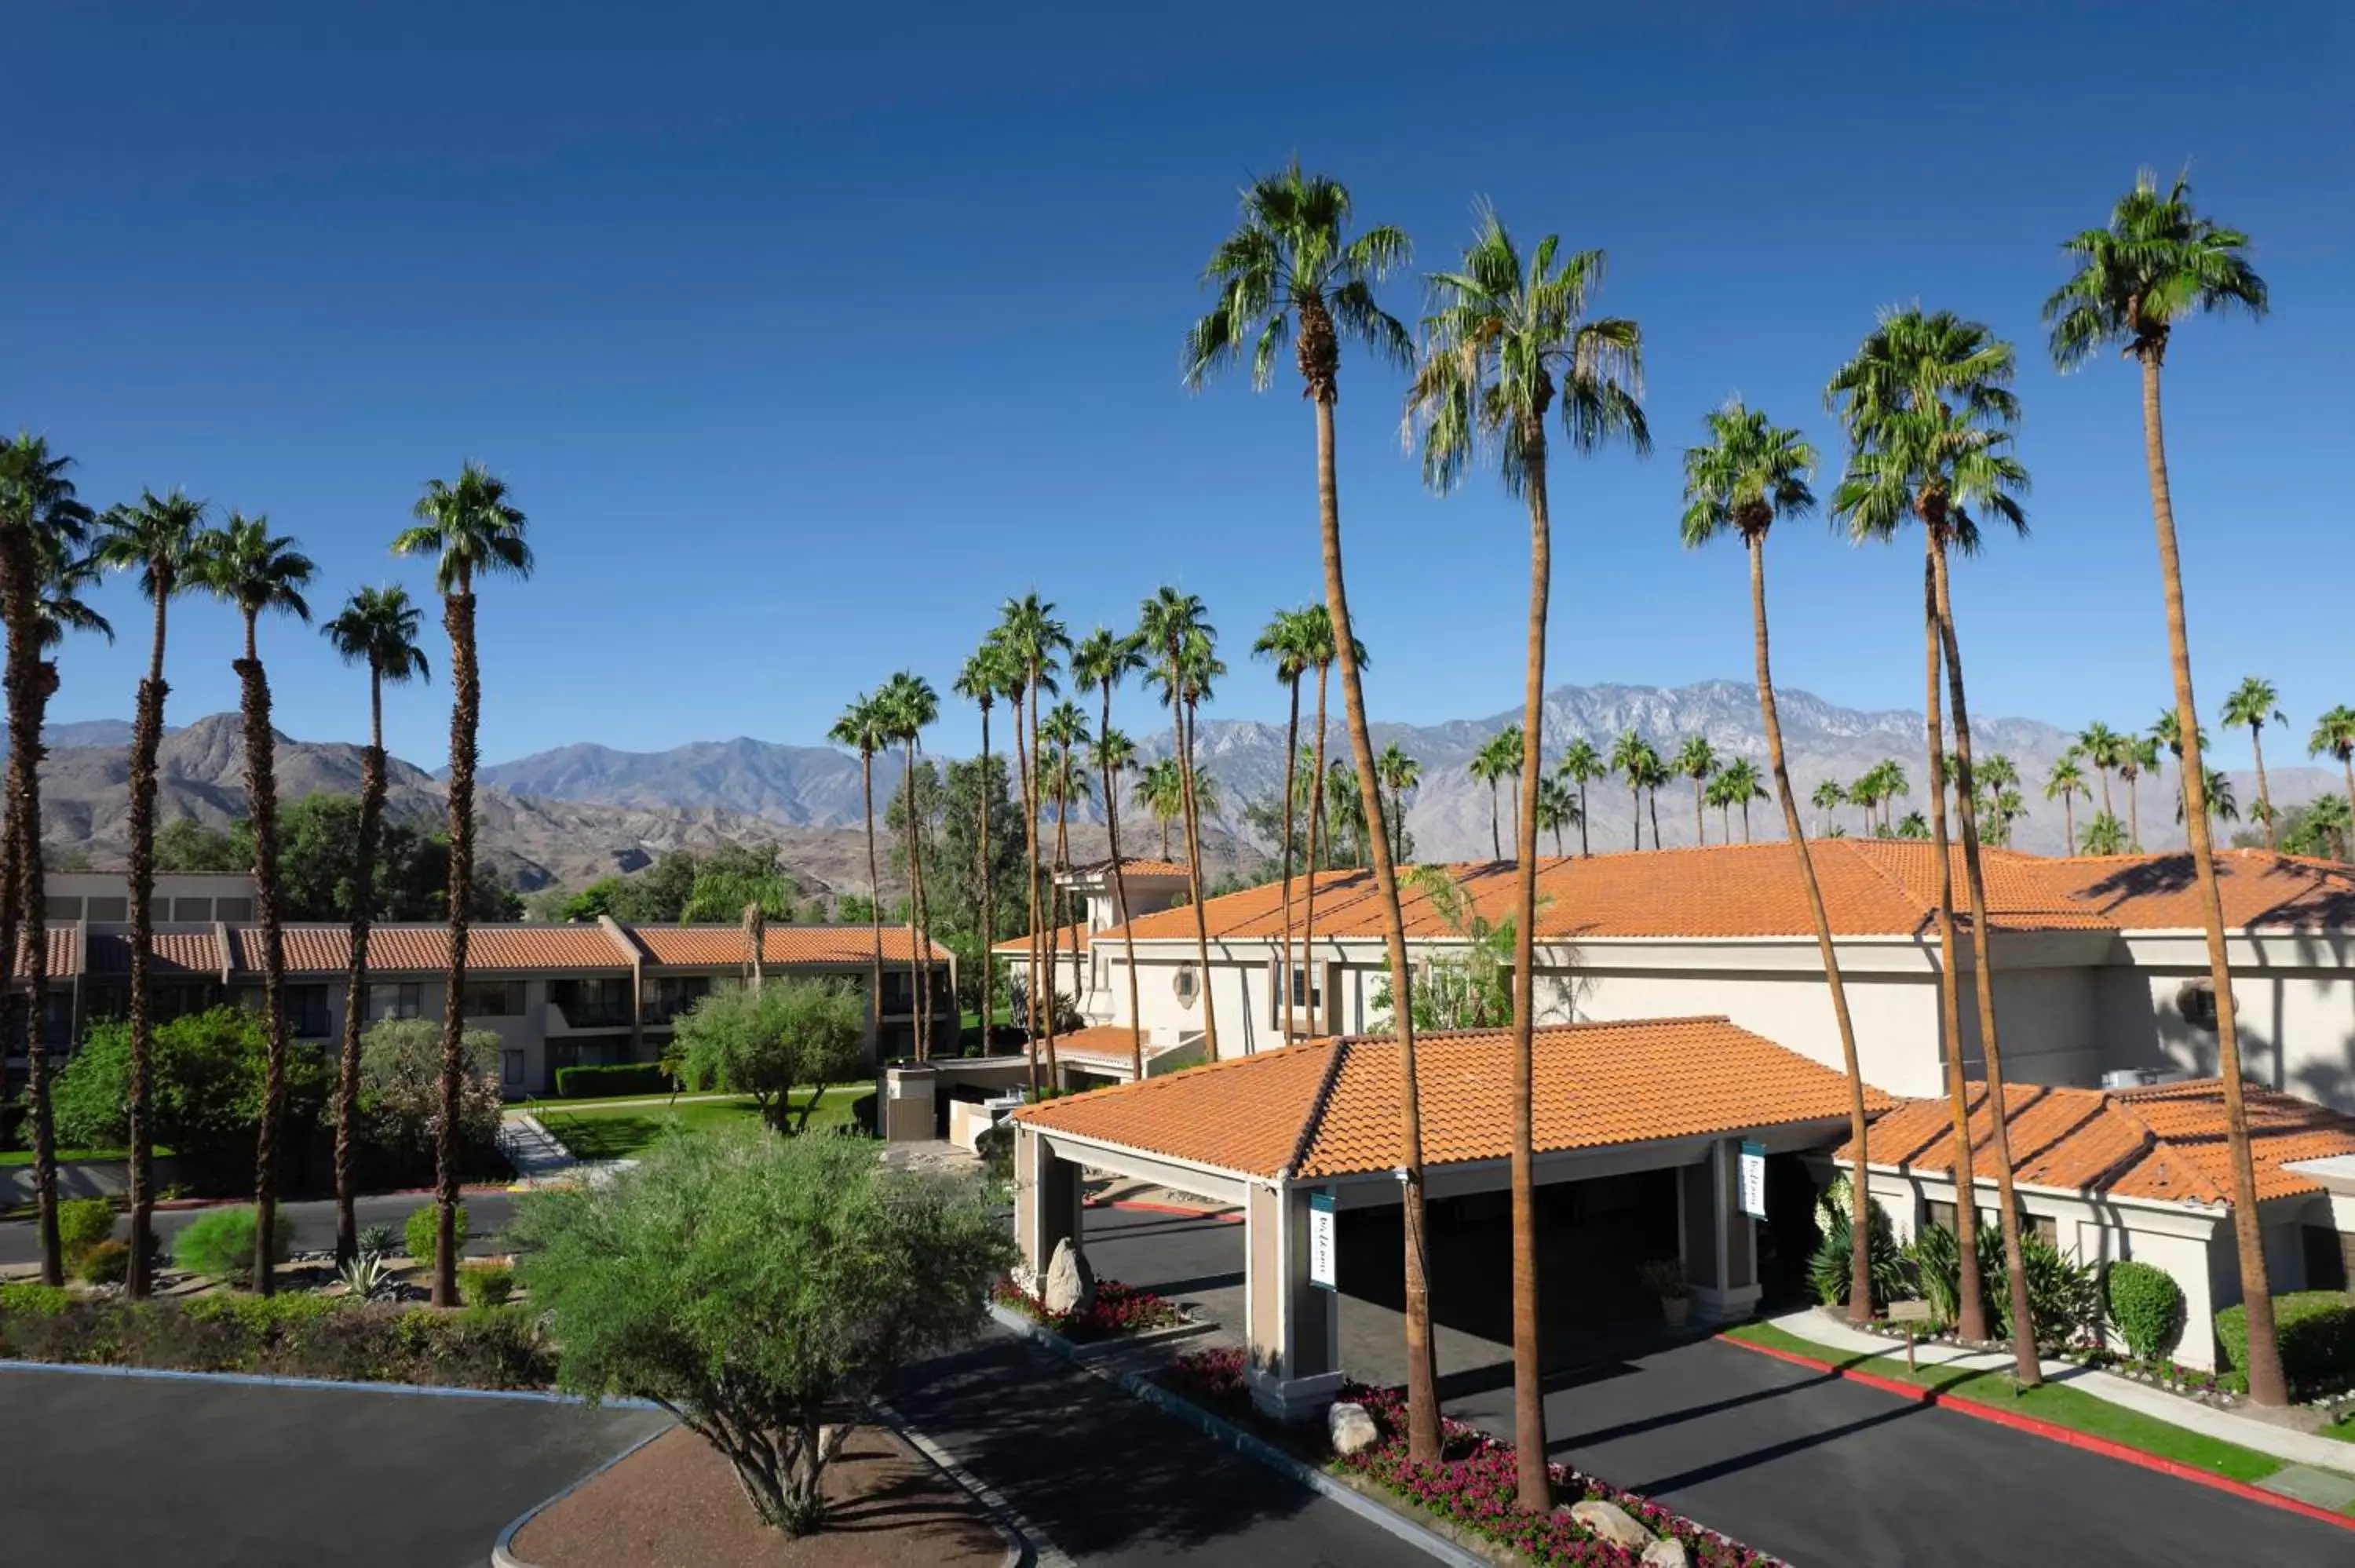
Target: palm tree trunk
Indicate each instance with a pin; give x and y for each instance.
(2134, 811)
(261, 808)
(1059, 896)
(1746, 822)
(1637, 792)
(1495, 838)
(1860, 1277)
(2069, 818)
(146, 738)
(1194, 865)
(1655, 816)
(1031, 892)
(347, 1078)
(2264, 795)
(985, 894)
(1422, 1370)
(1043, 1007)
(1291, 781)
(2023, 1327)
(2347, 761)
(1120, 888)
(918, 956)
(1700, 822)
(874, 898)
(1971, 1300)
(1535, 1482)
(1584, 852)
(1322, 1020)
(466, 724)
(2267, 1384)
(28, 916)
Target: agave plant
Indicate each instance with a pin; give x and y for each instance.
(369, 1278)
(379, 1240)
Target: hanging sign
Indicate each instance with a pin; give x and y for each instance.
(1322, 1249)
(1753, 1178)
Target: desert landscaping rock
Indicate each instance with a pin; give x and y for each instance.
(1665, 1553)
(1351, 1428)
(1612, 1523)
(1070, 1284)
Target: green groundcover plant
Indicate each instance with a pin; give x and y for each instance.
(219, 1243)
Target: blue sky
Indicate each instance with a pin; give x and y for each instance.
(804, 340)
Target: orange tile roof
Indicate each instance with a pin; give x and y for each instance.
(1100, 1043)
(62, 949)
(723, 946)
(2164, 1143)
(326, 949)
(1072, 938)
(1597, 1085)
(1870, 887)
(1135, 866)
(171, 952)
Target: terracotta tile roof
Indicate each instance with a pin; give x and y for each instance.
(171, 952)
(548, 950)
(1133, 866)
(1104, 1043)
(723, 946)
(1068, 940)
(63, 949)
(1871, 887)
(1597, 1085)
(2164, 1143)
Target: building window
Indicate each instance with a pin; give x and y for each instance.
(191, 910)
(306, 1012)
(511, 1069)
(55, 907)
(109, 911)
(494, 999)
(2197, 1002)
(400, 999)
(233, 909)
(1942, 1216)
(1185, 984)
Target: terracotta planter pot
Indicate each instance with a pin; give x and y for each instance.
(1676, 1310)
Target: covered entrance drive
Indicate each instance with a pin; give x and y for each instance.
(1639, 1130)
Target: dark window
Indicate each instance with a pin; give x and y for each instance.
(2329, 1257)
(1183, 984)
(1942, 1216)
(511, 1069)
(306, 1012)
(592, 1004)
(233, 909)
(192, 909)
(108, 910)
(400, 999)
(55, 907)
(494, 999)
(2197, 1002)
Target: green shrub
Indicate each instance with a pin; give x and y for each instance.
(1828, 1268)
(616, 1078)
(28, 1298)
(104, 1263)
(377, 1240)
(485, 1284)
(2064, 1297)
(2317, 1331)
(84, 1222)
(219, 1243)
(420, 1233)
(2146, 1307)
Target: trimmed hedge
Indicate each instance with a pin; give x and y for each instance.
(2317, 1329)
(619, 1078)
(294, 1335)
(2146, 1307)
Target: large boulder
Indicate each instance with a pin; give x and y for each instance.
(1612, 1523)
(1070, 1284)
(1351, 1428)
(1666, 1553)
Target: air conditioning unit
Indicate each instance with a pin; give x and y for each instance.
(2131, 1078)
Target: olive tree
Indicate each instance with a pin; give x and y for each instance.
(768, 1042)
(762, 1289)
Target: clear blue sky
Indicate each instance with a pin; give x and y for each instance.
(804, 337)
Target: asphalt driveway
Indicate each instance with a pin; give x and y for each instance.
(314, 1223)
(109, 1471)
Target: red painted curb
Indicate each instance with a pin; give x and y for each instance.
(2046, 1429)
(1224, 1216)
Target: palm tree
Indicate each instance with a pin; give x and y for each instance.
(1100, 664)
(1401, 775)
(2329, 826)
(1829, 798)
(246, 565)
(2250, 707)
(2106, 835)
(1582, 765)
(2334, 732)
(2159, 261)
(1162, 786)
(1557, 808)
(1695, 760)
(1912, 828)
(2137, 754)
(1317, 630)
(909, 707)
(1926, 402)
(1035, 639)
(1291, 272)
(2064, 783)
(1741, 786)
(1114, 754)
(1633, 756)
(473, 530)
(41, 521)
(1285, 642)
(1489, 766)
(987, 673)
(1065, 729)
(1172, 624)
(157, 538)
(1750, 472)
(2222, 805)
(865, 727)
(377, 628)
(2105, 748)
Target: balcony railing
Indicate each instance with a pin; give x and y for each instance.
(665, 1008)
(592, 1014)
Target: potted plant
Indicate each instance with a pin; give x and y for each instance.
(1665, 1278)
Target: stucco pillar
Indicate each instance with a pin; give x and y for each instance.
(1721, 1242)
(1046, 1199)
(1292, 1328)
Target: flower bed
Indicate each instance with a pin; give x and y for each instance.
(1117, 1309)
(1212, 1379)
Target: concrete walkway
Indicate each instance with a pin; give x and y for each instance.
(2281, 1442)
(665, 1100)
(533, 1150)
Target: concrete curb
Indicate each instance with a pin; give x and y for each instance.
(1019, 1532)
(1387, 1520)
(2048, 1430)
(262, 1380)
(502, 1554)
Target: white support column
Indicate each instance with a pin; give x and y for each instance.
(1046, 1200)
(1721, 1242)
(1292, 1328)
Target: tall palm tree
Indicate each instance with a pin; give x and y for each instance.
(2105, 748)
(1652, 777)
(1162, 786)
(473, 530)
(985, 675)
(1035, 641)
(2155, 263)
(2106, 835)
(1829, 798)
(1171, 623)
(1114, 754)
(911, 706)
(1557, 808)
(2252, 705)
(1582, 765)
(1317, 631)
(1489, 766)
(258, 571)
(1697, 761)
(2064, 783)
(2137, 754)
(157, 537)
(865, 727)
(2218, 793)
(1633, 756)
(1291, 271)
(1740, 778)
(1285, 643)
(2334, 732)
(1065, 728)
(41, 522)
(377, 628)
(1400, 774)
(1927, 404)
(1749, 473)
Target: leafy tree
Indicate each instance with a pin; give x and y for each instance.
(764, 1290)
(400, 1087)
(2218, 796)
(211, 1079)
(1033, 642)
(2105, 748)
(1285, 643)
(1101, 663)
(1912, 828)
(733, 877)
(1633, 759)
(1172, 626)
(1557, 810)
(958, 907)
(769, 1041)
(865, 727)
(2321, 828)
(1471, 989)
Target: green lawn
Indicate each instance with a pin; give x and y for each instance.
(536, 1104)
(25, 1156)
(2343, 1431)
(619, 1132)
(2055, 1403)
